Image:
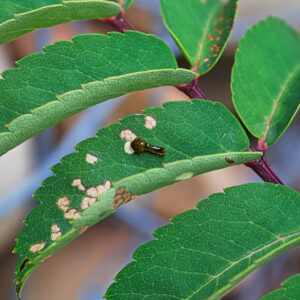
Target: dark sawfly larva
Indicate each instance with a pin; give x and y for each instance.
(139, 145)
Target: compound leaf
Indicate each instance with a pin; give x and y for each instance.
(290, 290)
(69, 76)
(20, 17)
(205, 252)
(266, 79)
(201, 28)
(91, 183)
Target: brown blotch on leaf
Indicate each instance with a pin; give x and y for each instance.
(25, 261)
(83, 228)
(218, 30)
(210, 37)
(122, 197)
(230, 161)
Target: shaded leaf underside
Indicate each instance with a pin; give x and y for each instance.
(198, 137)
(266, 79)
(205, 252)
(20, 17)
(200, 28)
(68, 77)
(290, 290)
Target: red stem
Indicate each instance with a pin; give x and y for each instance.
(120, 23)
(192, 90)
(260, 166)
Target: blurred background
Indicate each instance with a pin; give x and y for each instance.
(85, 268)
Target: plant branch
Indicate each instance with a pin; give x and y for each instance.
(192, 89)
(260, 166)
(120, 23)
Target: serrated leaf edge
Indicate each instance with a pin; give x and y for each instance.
(32, 13)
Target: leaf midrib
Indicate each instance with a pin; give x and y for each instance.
(277, 100)
(83, 86)
(202, 41)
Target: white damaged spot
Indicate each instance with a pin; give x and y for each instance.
(92, 192)
(55, 232)
(87, 202)
(127, 148)
(184, 176)
(77, 182)
(127, 135)
(37, 247)
(102, 188)
(150, 122)
(72, 213)
(63, 203)
(91, 159)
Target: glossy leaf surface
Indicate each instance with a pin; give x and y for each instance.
(20, 17)
(69, 76)
(201, 28)
(266, 79)
(205, 252)
(90, 184)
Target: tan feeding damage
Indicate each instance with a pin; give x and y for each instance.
(122, 197)
(150, 122)
(37, 247)
(55, 232)
(72, 213)
(63, 203)
(91, 159)
(87, 202)
(128, 135)
(127, 148)
(93, 193)
(77, 182)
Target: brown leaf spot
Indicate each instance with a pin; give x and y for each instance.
(210, 37)
(122, 197)
(230, 161)
(206, 59)
(218, 30)
(83, 228)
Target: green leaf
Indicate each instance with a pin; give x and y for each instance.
(266, 79)
(201, 28)
(71, 76)
(205, 252)
(127, 3)
(20, 17)
(198, 137)
(290, 290)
